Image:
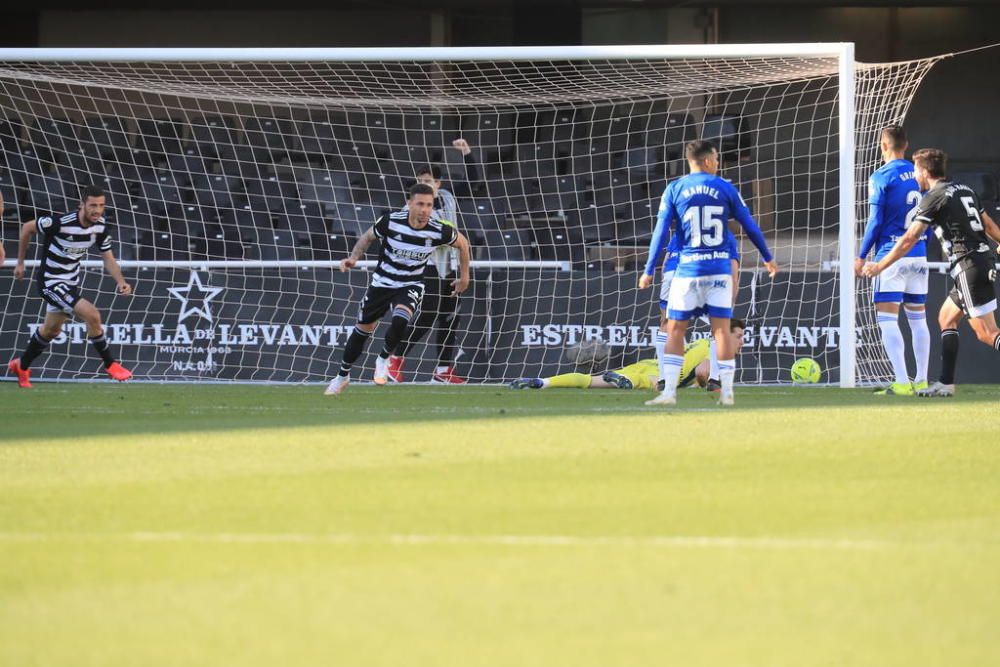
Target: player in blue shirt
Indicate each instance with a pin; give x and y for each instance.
(892, 203)
(696, 209)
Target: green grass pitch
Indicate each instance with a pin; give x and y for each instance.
(231, 525)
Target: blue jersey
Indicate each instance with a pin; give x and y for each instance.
(674, 253)
(696, 209)
(893, 195)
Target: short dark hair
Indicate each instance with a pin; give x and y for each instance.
(895, 136)
(91, 191)
(420, 189)
(432, 169)
(699, 149)
(933, 160)
(737, 323)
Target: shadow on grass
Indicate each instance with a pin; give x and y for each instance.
(53, 411)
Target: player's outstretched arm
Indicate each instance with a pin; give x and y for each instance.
(115, 271)
(913, 234)
(28, 229)
(464, 261)
(359, 249)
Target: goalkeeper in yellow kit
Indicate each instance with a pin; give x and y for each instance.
(643, 374)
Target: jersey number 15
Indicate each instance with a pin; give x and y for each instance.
(706, 225)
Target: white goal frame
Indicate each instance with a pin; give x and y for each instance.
(842, 51)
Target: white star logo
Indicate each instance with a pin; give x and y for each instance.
(196, 292)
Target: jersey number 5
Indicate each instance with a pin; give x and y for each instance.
(706, 225)
(974, 220)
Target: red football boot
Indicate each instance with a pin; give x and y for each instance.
(23, 374)
(119, 372)
(394, 369)
(447, 376)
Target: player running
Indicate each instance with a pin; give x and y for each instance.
(644, 374)
(892, 203)
(962, 225)
(65, 241)
(697, 208)
(408, 238)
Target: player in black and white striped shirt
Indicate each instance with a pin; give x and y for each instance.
(408, 239)
(65, 240)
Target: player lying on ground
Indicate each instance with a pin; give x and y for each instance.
(962, 225)
(408, 238)
(65, 241)
(697, 208)
(644, 374)
(893, 196)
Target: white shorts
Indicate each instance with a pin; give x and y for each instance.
(668, 277)
(701, 295)
(903, 282)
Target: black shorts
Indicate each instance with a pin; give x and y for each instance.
(378, 300)
(973, 291)
(59, 297)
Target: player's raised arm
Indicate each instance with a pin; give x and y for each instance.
(661, 235)
(464, 261)
(360, 247)
(742, 215)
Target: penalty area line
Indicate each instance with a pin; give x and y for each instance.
(405, 539)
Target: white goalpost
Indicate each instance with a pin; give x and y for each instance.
(238, 178)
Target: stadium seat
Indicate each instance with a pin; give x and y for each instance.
(10, 192)
(11, 136)
(215, 136)
(48, 193)
(680, 129)
(159, 138)
(731, 134)
(53, 139)
(504, 245)
(558, 242)
(108, 134)
(271, 139)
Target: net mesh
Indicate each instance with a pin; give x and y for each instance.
(234, 188)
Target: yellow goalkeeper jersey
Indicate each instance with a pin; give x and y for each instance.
(645, 373)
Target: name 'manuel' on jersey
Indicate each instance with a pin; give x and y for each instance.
(65, 243)
(696, 209)
(405, 250)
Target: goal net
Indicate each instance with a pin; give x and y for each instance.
(237, 179)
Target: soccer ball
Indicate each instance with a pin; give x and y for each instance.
(587, 353)
(805, 371)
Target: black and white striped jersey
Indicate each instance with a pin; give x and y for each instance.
(405, 250)
(955, 213)
(65, 243)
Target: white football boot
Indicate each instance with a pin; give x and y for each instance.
(337, 385)
(381, 371)
(663, 399)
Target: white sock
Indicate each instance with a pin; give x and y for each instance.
(659, 343)
(892, 341)
(441, 369)
(713, 360)
(727, 370)
(672, 364)
(920, 335)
